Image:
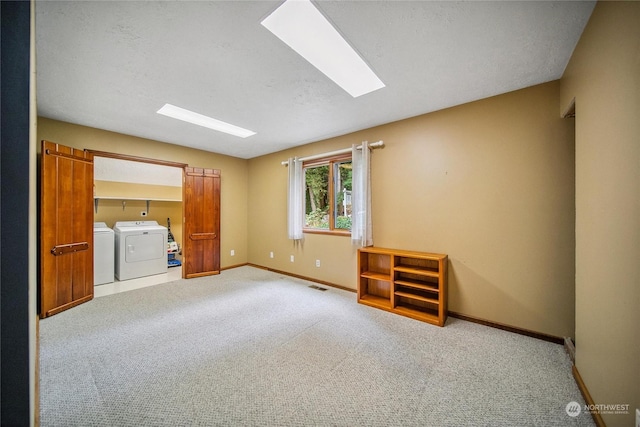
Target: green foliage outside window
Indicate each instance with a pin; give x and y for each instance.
(320, 211)
(318, 219)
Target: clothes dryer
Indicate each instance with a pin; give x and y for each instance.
(103, 254)
(141, 249)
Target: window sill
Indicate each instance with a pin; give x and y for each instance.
(329, 232)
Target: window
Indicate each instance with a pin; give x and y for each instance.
(328, 195)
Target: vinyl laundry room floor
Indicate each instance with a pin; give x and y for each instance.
(173, 273)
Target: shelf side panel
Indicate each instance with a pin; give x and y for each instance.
(444, 287)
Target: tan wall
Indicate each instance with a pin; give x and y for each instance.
(268, 224)
(489, 183)
(604, 78)
(234, 177)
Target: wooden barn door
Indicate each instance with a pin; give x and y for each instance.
(201, 227)
(66, 228)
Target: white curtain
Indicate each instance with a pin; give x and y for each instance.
(361, 229)
(295, 200)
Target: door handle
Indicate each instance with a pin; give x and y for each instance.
(202, 236)
(69, 248)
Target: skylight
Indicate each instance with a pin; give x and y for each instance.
(202, 120)
(300, 25)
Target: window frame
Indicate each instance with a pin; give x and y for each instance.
(330, 161)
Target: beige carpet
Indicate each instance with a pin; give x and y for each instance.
(254, 348)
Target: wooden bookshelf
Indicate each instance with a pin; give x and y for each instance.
(412, 284)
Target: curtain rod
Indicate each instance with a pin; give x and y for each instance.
(377, 144)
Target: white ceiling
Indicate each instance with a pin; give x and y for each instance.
(113, 64)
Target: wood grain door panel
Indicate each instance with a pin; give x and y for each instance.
(66, 228)
(201, 222)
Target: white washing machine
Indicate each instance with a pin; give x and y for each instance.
(103, 254)
(140, 249)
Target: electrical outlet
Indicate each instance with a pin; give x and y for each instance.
(143, 213)
(291, 258)
(317, 263)
(233, 252)
(270, 254)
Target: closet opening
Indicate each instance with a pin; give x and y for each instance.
(130, 195)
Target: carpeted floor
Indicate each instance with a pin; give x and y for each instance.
(254, 348)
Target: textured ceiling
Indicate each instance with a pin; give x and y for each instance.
(112, 65)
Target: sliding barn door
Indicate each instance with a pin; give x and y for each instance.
(201, 228)
(66, 228)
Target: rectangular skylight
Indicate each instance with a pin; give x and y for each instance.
(202, 120)
(300, 25)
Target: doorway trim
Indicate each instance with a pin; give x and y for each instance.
(137, 159)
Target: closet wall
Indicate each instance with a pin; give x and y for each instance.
(234, 178)
(125, 190)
